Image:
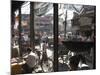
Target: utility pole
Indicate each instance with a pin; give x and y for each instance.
(65, 25)
(20, 30)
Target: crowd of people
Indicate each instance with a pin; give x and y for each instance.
(35, 58)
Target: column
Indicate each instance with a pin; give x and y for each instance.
(32, 34)
(55, 31)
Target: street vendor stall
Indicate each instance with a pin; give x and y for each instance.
(78, 46)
